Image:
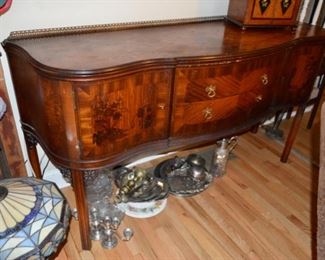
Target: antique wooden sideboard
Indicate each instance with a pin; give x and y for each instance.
(100, 96)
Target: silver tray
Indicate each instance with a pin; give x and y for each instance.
(156, 188)
(179, 178)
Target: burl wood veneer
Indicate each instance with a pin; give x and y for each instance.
(104, 95)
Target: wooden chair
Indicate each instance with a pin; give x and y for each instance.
(316, 100)
(320, 82)
(274, 131)
(321, 193)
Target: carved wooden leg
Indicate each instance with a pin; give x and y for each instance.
(274, 131)
(278, 119)
(321, 87)
(31, 143)
(292, 134)
(254, 129)
(81, 201)
(289, 113)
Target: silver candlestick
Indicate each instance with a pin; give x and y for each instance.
(115, 223)
(95, 227)
(110, 240)
(127, 234)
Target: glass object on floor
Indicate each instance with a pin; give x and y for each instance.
(220, 158)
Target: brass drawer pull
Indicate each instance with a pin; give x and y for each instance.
(259, 98)
(161, 106)
(211, 91)
(265, 79)
(207, 113)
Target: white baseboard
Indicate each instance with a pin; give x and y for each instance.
(55, 176)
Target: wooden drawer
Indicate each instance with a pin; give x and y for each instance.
(212, 98)
(204, 117)
(215, 82)
(117, 115)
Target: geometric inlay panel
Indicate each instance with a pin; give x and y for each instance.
(285, 4)
(264, 4)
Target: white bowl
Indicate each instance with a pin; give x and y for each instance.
(143, 209)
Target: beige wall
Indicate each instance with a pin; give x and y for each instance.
(31, 14)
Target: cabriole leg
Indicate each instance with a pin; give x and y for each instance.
(31, 143)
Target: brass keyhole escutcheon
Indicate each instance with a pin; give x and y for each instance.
(211, 91)
(207, 113)
(265, 79)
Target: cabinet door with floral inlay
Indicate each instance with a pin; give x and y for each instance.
(116, 115)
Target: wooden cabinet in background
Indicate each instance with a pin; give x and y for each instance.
(103, 96)
(11, 157)
(249, 13)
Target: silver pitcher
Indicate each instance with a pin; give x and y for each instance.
(221, 155)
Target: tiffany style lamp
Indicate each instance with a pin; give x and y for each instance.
(34, 217)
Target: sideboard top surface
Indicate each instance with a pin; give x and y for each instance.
(169, 43)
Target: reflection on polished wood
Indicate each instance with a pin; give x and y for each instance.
(261, 209)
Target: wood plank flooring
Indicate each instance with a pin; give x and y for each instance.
(262, 209)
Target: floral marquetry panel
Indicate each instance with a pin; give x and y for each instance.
(116, 115)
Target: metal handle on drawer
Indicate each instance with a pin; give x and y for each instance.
(207, 113)
(161, 106)
(265, 79)
(211, 91)
(259, 98)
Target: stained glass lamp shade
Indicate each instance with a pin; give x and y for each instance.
(34, 217)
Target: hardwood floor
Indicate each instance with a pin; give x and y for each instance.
(262, 209)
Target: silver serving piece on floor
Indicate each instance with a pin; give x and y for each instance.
(127, 234)
(95, 225)
(220, 158)
(185, 176)
(109, 237)
(139, 185)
